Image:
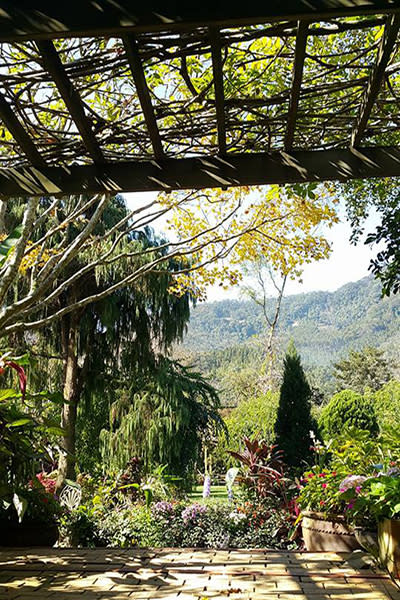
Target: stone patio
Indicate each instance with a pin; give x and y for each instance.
(184, 574)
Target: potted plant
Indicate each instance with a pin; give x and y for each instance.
(323, 516)
(379, 496)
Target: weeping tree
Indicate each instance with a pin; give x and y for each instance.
(94, 341)
(162, 419)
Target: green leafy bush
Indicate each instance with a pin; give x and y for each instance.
(179, 524)
(387, 403)
(346, 410)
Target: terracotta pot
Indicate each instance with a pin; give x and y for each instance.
(389, 545)
(327, 533)
(21, 535)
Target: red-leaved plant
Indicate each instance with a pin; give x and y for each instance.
(5, 363)
(263, 468)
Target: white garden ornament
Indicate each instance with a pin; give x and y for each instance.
(71, 496)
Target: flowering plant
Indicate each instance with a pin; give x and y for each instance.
(372, 498)
(319, 491)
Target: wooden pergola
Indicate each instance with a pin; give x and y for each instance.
(102, 95)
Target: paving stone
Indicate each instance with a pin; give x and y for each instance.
(186, 574)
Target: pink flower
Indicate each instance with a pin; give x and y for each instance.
(324, 485)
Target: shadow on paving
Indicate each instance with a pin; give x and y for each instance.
(184, 574)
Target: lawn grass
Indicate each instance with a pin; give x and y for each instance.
(218, 493)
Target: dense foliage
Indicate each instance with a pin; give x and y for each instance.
(387, 404)
(294, 422)
(362, 370)
(346, 410)
(162, 420)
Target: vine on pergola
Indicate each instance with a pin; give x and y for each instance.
(149, 98)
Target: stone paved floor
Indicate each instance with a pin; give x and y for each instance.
(183, 574)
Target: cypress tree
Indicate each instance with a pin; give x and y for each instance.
(294, 421)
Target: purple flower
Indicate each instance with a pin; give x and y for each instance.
(163, 509)
(193, 512)
(352, 481)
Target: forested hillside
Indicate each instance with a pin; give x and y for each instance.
(323, 325)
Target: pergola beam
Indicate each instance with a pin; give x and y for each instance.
(375, 81)
(218, 88)
(52, 63)
(196, 173)
(136, 67)
(86, 18)
(298, 66)
(19, 134)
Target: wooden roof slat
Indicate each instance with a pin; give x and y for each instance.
(298, 66)
(19, 134)
(86, 18)
(196, 173)
(218, 88)
(139, 77)
(375, 81)
(52, 63)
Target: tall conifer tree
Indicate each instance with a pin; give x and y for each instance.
(294, 421)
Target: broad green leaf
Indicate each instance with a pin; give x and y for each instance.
(10, 241)
(7, 394)
(148, 496)
(20, 422)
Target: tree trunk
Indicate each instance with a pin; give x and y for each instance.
(72, 385)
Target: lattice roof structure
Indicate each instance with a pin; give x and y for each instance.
(104, 95)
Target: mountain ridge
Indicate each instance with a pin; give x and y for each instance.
(324, 325)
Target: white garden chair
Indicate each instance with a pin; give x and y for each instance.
(71, 496)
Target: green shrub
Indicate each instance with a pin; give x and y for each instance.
(251, 418)
(387, 404)
(347, 410)
(178, 524)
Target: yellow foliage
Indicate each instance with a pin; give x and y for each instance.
(37, 255)
(221, 230)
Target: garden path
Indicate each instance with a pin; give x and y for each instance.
(185, 574)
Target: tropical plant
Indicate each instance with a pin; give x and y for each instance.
(294, 422)
(347, 410)
(263, 468)
(376, 497)
(26, 439)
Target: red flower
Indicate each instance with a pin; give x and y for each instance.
(321, 503)
(322, 475)
(324, 485)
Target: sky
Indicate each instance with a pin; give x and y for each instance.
(346, 262)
